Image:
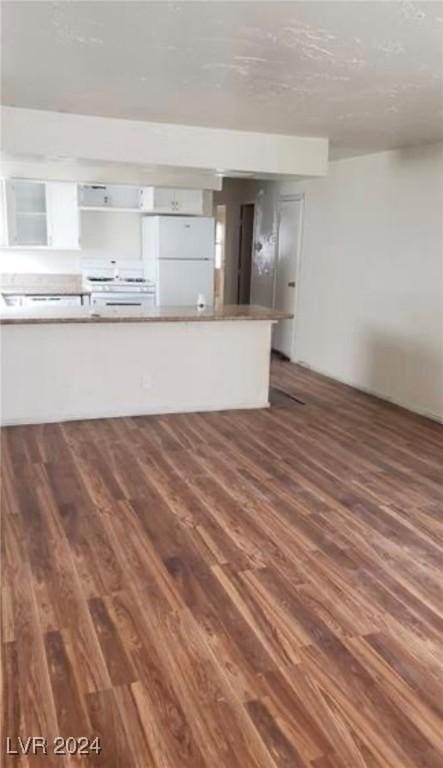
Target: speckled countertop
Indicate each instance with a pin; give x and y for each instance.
(29, 284)
(138, 315)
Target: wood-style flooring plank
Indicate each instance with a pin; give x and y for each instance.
(253, 589)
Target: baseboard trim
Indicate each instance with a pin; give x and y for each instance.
(128, 412)
(374, 393)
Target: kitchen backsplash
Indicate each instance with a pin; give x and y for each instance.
(105, 236)
(39, 261)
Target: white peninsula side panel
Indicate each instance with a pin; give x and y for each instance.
(64, 371)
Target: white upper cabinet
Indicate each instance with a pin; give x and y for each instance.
(63, 215)
(26, 213)
(157, 199)
(41, 214)
(113, 197)
(169, 200)
(189, 201)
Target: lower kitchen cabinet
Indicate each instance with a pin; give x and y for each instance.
(50, 300)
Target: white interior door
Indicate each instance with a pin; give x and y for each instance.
(288, 255)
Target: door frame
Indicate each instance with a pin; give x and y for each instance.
(289, 198)
(240, 235)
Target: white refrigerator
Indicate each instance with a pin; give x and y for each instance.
(178, 255)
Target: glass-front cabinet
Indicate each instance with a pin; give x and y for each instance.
(40, 214)
(26, 213)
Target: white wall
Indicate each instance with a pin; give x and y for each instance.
(370, 309)
(111, 235)
(36, 261)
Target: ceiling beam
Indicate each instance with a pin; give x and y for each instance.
(102, 139)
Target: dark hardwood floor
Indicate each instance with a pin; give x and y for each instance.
(254, 589)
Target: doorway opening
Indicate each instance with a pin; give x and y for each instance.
(247, 212)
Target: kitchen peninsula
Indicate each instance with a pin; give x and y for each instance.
(75, 363)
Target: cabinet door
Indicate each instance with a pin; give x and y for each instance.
(26, 213)
(164, 200)
(169, 200)
(63, 215)
(189, 201)
(157, 200)
(93, 195)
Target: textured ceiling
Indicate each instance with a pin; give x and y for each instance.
(366, 74)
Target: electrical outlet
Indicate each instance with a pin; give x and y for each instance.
(146, 381)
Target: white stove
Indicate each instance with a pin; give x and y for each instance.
(114, 287)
